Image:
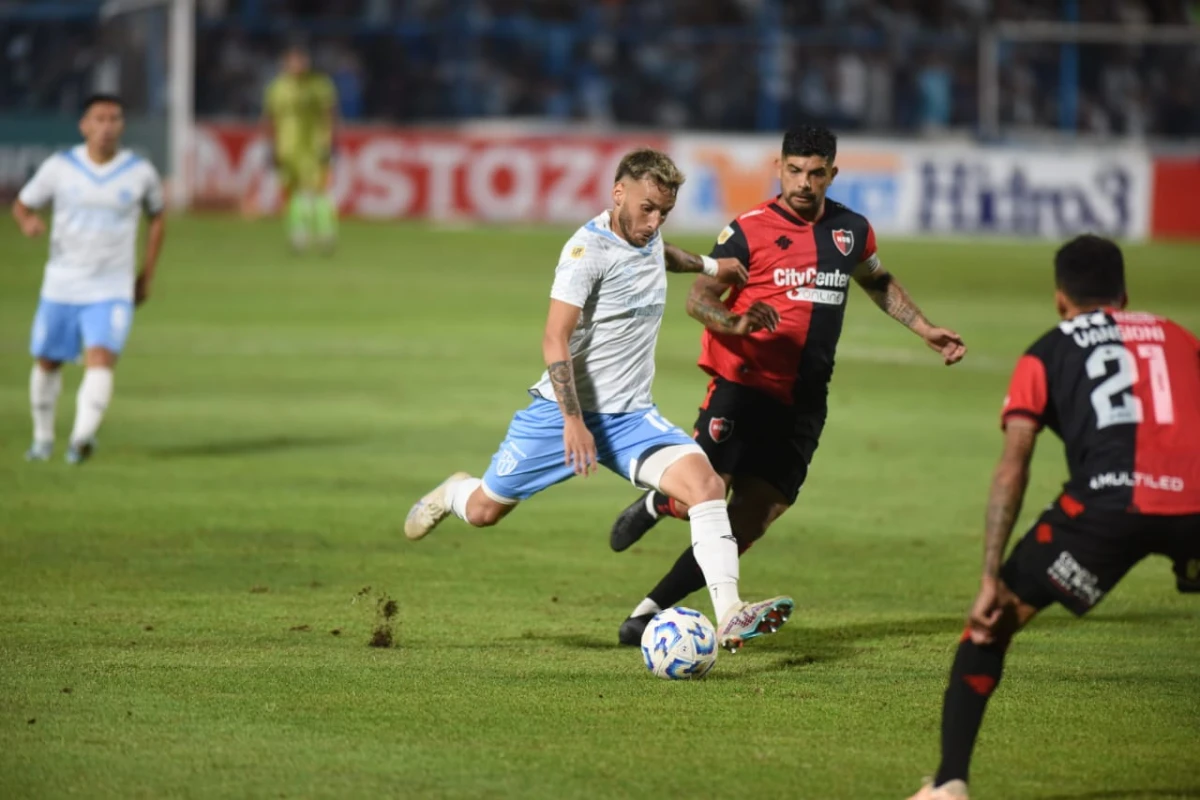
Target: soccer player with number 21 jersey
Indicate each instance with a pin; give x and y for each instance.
(1122, 390)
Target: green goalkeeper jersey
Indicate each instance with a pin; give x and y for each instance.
(301, 109)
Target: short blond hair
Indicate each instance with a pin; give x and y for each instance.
(646, 162)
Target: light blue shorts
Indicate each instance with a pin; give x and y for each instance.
(531, 457)
(61, 331)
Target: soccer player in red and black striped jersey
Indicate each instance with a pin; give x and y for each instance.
(769, 346)
(1122, 391)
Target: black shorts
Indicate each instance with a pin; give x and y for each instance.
(1075, 556)
(747, 432)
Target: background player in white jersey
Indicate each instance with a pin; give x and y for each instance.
(99, 192)
(593, 405)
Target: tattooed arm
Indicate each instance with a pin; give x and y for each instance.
(579, 447)
(991, 617)
(895, 301)
(728, 271)
(560, 323)
(1008, 491)
(890, 296)
(704, 304)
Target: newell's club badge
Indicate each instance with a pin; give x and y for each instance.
(843, 240)
(720, 429)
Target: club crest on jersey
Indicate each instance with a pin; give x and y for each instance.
(720, 429)
(506, 462)
(843, 240)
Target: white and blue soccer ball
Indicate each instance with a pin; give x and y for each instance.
(679, 643)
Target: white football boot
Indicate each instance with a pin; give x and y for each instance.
(430, 510)
(950, 790)
(751, 620)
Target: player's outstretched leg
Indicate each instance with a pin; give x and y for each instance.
(691, 480)
(460, 495)
(45, 383)
(434, 507)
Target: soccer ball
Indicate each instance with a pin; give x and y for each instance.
(679, 643)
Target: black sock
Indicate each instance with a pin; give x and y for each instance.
(683, 578)
(973, 678)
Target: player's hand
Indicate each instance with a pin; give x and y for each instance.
(579, 447)
(32, 225)
(141, 290)
(985, 613)
(731, 272)
(946, 342)
(760, 316)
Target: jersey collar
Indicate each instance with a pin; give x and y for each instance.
(778, 207)
(77, 157)
(602, 225)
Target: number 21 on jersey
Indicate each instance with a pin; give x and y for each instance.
(1113, 401)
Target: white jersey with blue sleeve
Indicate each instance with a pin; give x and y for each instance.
(622, 291)
(93, 234)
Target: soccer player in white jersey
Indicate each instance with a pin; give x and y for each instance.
(99, 192)
(593, 406)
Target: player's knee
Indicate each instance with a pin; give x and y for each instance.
(707, 485)
(484, 517)
(690, 479)
(46, 365)
(100, 357)
(484, 512)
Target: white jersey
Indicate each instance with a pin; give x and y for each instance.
(622, 290)
(93, 236)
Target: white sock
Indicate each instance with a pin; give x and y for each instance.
(716, 552)
(43, 396)
(457, 495)
(650, 507)
(95, 392)
(647, 606)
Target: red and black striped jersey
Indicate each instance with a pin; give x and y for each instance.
(1122, 390)
(802, 269)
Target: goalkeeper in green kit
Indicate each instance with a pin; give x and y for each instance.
(300, 109)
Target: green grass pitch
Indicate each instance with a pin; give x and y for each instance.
(188, 615)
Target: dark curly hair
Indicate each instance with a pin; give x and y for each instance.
(810, 140)
(1090, 269)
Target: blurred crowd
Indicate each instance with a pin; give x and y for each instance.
(867, 65)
